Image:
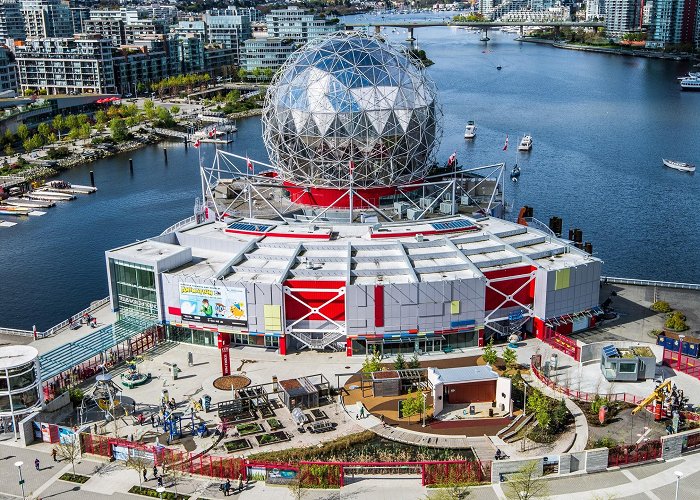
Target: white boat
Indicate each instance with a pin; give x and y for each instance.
(679, 165)
(470, 130)
(515, 173)
(690, 83)
(47, 194)
(23, 202)
(525, 143)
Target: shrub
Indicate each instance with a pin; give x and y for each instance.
(58, 153)
(661, 306)
(605, 442)
(676, 321)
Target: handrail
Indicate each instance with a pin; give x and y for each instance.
(178, 225)
(538, 224)
(642, 282)
(29, 333)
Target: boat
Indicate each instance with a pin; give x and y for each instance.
(5, 223)
(10, 210)
(67, 187)
(23, 202)
(690, 83)
(525, 143)
(46, 194)
(499, 67)
(679, 165)
(470, 130)
(515, 173)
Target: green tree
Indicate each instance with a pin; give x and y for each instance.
(141, 87)
(400, 362)
(9, 150)
(23, 132)
(538, 404)
(414, 362)
(82, 119)
(118, 129)
(510, 357)
(74, 134)
(526, 483)
(9, 137)
(27, 145)
(242, 74)
(85, 131)
(71, 122)
(36, 141)
(101, 117)
(413, 404)
(174, 110)
(59, 124)
(372, 363)
(165, 119)
(44, 129)
(490, 355)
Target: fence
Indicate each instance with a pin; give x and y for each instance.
(581, 395)
(634, 454)
(566, 345)
(686, 364)
(662, 284)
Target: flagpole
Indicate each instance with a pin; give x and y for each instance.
(201, 174)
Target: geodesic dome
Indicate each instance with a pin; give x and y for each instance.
(351, 97)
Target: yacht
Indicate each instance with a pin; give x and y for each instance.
(679, 165)
(525, 143)
(470, 130)
(691, 82)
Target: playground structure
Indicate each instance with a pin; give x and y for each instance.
(103, 399)
(666, 399)
(132, 377)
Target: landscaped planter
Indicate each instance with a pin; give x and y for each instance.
(151, 492)
(249, 428)
(272, 438)
(266, 412)
(318, 414)
(274, 424)
(74, 478)
(237, 445)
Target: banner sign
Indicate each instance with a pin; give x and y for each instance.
(225, 361)
(213, 304)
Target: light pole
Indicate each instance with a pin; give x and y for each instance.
(680, 349)
(679, 475)
(424, 398)
(21, 480)
(160, 491)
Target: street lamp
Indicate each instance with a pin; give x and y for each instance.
(679, 475)
(21, 480)
(160, 491)
(680, 349)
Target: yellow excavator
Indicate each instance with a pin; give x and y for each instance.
(659, 395)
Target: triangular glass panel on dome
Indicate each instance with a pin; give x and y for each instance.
(386, 97)
(300, 118)
(404, 117)
(379, 119)
(310, 127)
(392, 127)
(323, 122)
(362, 126)
(336, 128)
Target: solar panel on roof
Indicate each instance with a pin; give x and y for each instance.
(610, 351)
(246, 226)
(453, 224)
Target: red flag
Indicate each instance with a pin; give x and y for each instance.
(197, 143)
(505, 146)
(452, 159)
(249, 164)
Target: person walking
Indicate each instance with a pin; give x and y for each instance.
(160, 481)
(36, 464)
(227, 487)
(54, 453)
(153, 420)
(145, 475)
(240, 482)
(155, 472)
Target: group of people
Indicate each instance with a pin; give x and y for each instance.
(156, 476)
(226, 487)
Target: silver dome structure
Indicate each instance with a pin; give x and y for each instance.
(351, 98)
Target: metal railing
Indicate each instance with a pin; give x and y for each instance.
(63, 324)
(638, 282)
(538, 224)
(178, 225)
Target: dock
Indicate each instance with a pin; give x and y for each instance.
(22, 202)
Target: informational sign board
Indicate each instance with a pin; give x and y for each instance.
(213, 304)
(225, 361)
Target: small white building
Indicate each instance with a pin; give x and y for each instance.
(467, 385)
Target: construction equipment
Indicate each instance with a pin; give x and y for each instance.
(666, 395)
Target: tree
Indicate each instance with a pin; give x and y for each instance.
(170, 464)
(510, 357)
(296, 489)
(71, 122)
(27, 145)
(538, 404)
(138, 464)
(526, 483)
(59, 124)
(490, 355)
(23, 132)
(141, 87)
(400, 362)
(413, 363)
(118, 129)
(174, 110)
(101, 117)
(85, 131)
(36, 141)
(242, 74)
(413, 404)
(9, 150)
(372, 363)
(82, 119)
(44, 129)
(69, 449)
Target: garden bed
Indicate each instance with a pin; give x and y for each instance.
(274, 424)
(74, 478)
(272, 438)
(318, 414)
(245, 416)
(151, 492)
(228, 382)
(266, 411)
(249, 428)
(237, 445)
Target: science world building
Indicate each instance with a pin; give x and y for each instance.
(352, 237)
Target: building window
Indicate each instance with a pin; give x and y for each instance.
(627, 368)
(136, 288)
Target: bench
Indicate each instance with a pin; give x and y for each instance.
(447, 349)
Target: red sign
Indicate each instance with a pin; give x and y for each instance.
(225, 361)
(602, 414)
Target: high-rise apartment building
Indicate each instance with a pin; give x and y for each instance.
(266, 53)
(82, 64)
(622, 17)
(8, 73)
(595, 10)
(228, 28)
(673, 22)
(299, 25)
(11, 20)
(47, 19)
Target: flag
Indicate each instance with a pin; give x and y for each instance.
(249, 164)
(197, 143)
(452, 159)
(505, 146)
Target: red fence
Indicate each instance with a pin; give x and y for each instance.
(691, 442)
(634, 454)
(580, 395)
(687, 365)
(565, 344)
(462, 472)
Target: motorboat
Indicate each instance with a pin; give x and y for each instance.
(679, 165)
(690, 82)
(67, 187)
(515, 173)
(12, 210)
(49, 195)
(470, 130)
(499, 67)
(23, 202)
(525, 143)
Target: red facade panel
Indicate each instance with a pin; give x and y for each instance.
(334, 310)
(508, 287)
(378, 305)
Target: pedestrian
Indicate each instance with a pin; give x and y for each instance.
(155, 472)
(159, 421)
(145, 475)
(362, 412)
(160, 481)
(36, 464)
(53, 454)
(227, 487)
(153, 419)
(240, 482)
